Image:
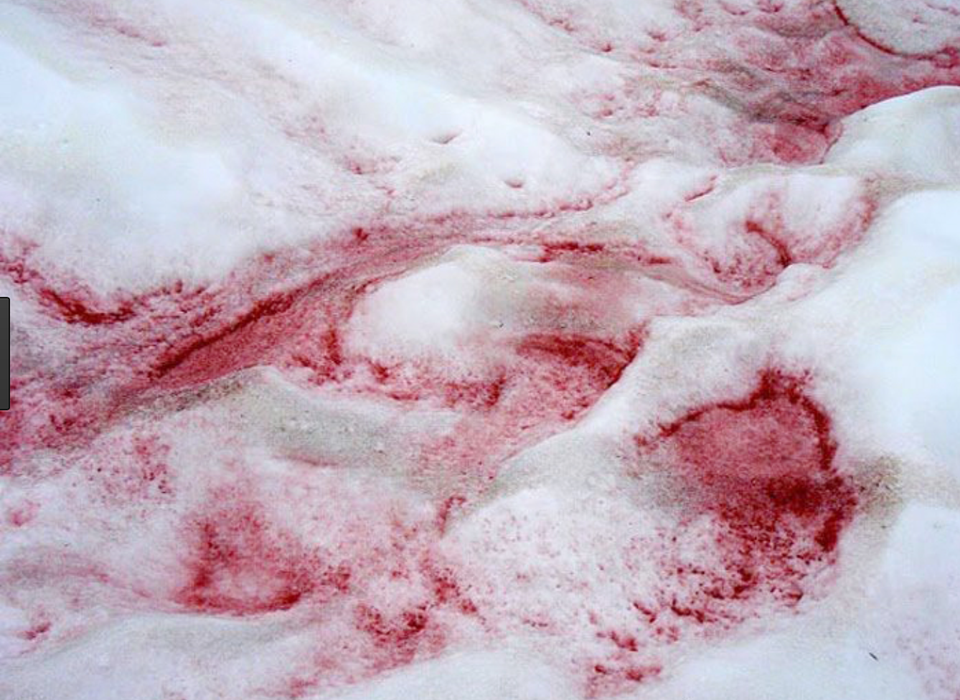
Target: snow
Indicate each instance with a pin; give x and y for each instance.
(913, 27)
(532, 349)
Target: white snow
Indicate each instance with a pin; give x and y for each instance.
(148, 144)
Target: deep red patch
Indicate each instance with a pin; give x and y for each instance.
(762, 468)
(242, 565)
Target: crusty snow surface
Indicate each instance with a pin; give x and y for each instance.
(480, 349)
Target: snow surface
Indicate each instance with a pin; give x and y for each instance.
(533, 349)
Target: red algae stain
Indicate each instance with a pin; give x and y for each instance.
(606, 679)
(140, 346)
(37, 631)
(402, 606)
(379, 598)
(151, 455)
(22, 514)
(762, 470)
(133, 469)
(299, 326)
(73, 309)
(72, 302)
(450, 505)
(791, 71)
(553, 250)
(244, 342)
(580, 368)
(394, 633)
(242, 565)
(759, 470)
(769, 236)
(775, 431)
(397, 639)
(549, 380)
(413, 382)
(842, 16)
(755, 506)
